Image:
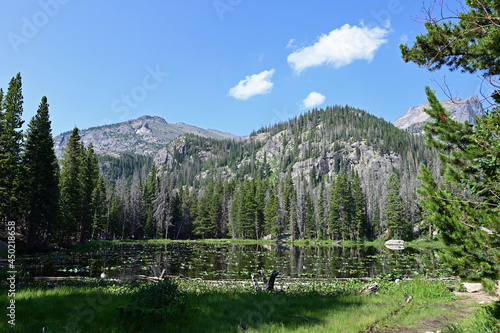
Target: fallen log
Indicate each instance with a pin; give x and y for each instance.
(370, 288)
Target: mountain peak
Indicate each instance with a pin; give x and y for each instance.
(461, 110)
(144, 135)
(152, 118)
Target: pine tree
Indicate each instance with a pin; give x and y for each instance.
(99, 206)
(162, 211)
(465, 207)
(216, 212)
(11, 138)
(89, 177)
(113, 225)
(341, 208)
(137, 207)
(150, 190)
(71, 187)
(248, 210)
(359, 218)
(310, 225)
(260, 205)
(376, 222)
(320, 209)
(271, 214)
(40, 173)
(334, 214)
(467, 41)
(466, 210)
(394, 208)
(203, 225)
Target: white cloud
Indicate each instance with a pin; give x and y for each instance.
(312, 100)
(256, 84)
(339, 48)
(290, 44)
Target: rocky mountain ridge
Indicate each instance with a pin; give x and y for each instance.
(145, 135)
(312, 147)
(461, 110)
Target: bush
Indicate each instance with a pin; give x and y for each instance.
(489, 286)
(161, 299)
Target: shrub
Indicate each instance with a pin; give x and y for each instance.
(161, 299)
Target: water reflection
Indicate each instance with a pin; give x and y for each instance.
(229, 261)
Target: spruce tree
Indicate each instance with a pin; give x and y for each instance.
(320, 209)
(341, 208)
(99, 207)
(71, 187)
(465, 206)
(162, 211)
(359, 219)
(150, 190)
(376, 222)
(271, 214)
(113, 223)
(40, 173)
(394, 208)
(204, 225)
(11, 139)
(310, 225)
(216, 212)
(89, 178)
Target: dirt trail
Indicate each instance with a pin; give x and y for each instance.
(468, 301)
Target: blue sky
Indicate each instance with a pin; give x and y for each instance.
(232, 65)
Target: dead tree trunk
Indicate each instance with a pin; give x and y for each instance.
(268, 285)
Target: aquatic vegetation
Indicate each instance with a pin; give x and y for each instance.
(227, 260)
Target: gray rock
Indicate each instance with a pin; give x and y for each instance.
(145, 135)
(461, 110)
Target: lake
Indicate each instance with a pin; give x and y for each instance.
(234, 261)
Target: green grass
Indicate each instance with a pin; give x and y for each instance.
(224, 307)
(486, 319)
(97, 244)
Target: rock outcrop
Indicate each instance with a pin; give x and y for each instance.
(145, 135)
(461, 110)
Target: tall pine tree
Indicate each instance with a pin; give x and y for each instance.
(11, 138)
(89, 178)
(394, 208)
(466, 212)
(71, 187)
(40, 173)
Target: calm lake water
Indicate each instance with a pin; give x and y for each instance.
(229, 261)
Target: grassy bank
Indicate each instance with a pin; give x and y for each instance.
(94, 306)
(96, 244)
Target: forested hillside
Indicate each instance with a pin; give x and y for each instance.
(323, 174)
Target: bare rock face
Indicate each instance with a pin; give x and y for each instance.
(461, 110)
(145, 135)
